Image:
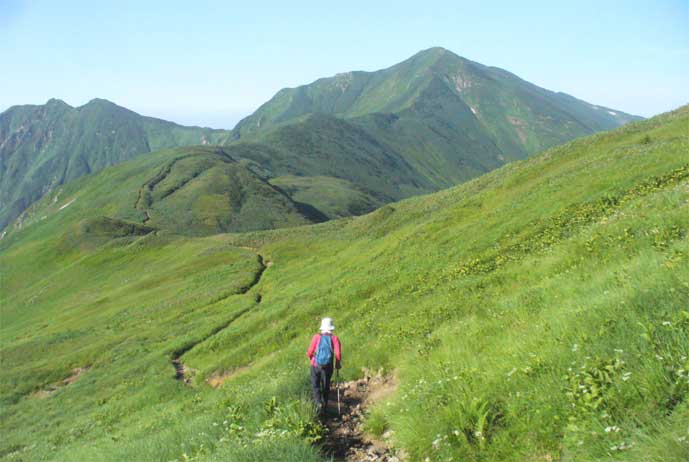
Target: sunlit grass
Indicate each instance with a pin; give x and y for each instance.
(540, 312)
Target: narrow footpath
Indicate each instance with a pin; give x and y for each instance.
(346, 440)
(182, 372)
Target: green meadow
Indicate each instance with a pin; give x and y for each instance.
(539, 312)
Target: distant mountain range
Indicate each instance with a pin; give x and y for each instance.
(339, 146)
(516, 115)
(45, 146)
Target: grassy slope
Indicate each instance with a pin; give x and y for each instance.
(438, 118)
(322, 162)
(504, 111)
(45, 146)
(391, 90)
(191, 191)
(530, 308)
(335, 197)
(428, 123)
(327, 146)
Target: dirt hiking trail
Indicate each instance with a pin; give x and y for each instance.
(184, 373)
(76, 373)
(346, 440)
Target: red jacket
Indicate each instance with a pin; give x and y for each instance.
(311, 352)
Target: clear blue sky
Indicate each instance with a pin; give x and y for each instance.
(210, 63)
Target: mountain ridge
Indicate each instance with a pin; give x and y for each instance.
(448, 117)
(429, 122)
(44, 146)
(435, 60)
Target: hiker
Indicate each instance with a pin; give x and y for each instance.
(323, 351)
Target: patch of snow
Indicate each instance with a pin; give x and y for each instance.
(473, 110)
(67, 204)
(2, 235)
(612, 113)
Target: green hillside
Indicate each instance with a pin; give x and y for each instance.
(45, 146)
(501, 110)
(538, 312)
(391, 90)
(368, 138)
(321, 168)
(192, 191)
(334, 197)
(443, 118)
(335, 150)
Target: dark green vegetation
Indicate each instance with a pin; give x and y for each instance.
(334, 197)
(413, 85)
(190, 191)
(448, 118)
(343, 145)
(344, 158)
(42, 147)
(540, 312)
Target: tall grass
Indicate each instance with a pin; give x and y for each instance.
(540, 312)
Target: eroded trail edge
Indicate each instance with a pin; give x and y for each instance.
(346, 440)
(184, 373)
(76, 373)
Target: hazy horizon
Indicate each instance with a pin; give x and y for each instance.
(213, 66)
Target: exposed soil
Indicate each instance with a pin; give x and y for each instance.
(218, 379)
(346, 440)
(182, 372)
(76, 373)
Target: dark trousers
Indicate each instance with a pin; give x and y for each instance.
(320, 383)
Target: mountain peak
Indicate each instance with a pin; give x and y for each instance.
(100, 102)
(104, 105)
(427, 57)
(434, 51)
(56, 102)
(437, 53)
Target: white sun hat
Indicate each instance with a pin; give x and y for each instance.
(327, 325)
